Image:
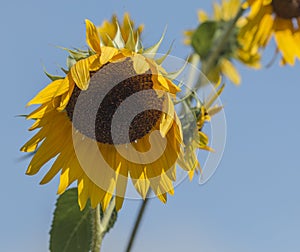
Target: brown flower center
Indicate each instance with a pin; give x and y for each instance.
(287, 8)
(92, 111)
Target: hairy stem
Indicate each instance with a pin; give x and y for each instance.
(96, 230)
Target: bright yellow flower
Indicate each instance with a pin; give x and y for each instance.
(274, 18)
(76, 123)
(223, 14)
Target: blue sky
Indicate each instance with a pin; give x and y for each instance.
(250, 204)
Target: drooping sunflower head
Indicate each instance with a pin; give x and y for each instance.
(274, 18)
(110, 118)
(204, 38)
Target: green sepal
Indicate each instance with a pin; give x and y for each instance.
(151, 51)
(160, 60)
(65, 70)
(76, 54)
(130, 44)
(118, 39)
(53, 77)
(90, 52)
(21, 115)
(138, 46)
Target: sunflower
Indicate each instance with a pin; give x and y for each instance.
(109, 118)
(205, 36)
(278, 19)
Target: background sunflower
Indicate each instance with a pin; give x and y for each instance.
(234, 49)
(278, 19)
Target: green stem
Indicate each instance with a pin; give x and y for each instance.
(96, 230)
(137, 222)
(100, 226)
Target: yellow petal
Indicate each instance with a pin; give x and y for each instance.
(173, 89)
(202, 16)
(41, 111)
(217, 11)
(138, 175)
(140, 65)
(107, 54)
(233, 7)
(63, 181)
(163, 82)
(267, 2)
(266, 26)
(92, 36)
(162, 197)
(83, 191)
(55, 168)
(50, 147)
(121, 186)
(187, 36)
(167, 118)
(54, 89)
(32, 144)
(65, 99)
(105, 201)
(230, 71)
(191, 174)
(94, 63)
(286, 43)
(81, 74)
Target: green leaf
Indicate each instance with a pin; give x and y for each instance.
(71, 228)
(202, 39)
